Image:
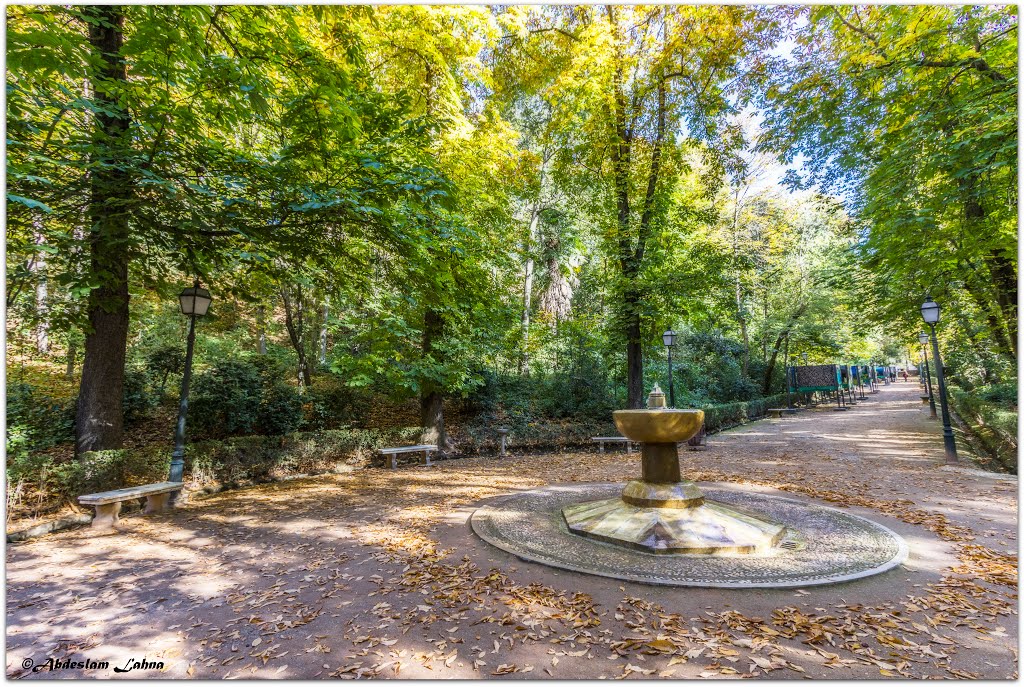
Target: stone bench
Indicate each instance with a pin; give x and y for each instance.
(601, 441)
(924, 400)
(108, 503)
(698, 440)
(392, 454)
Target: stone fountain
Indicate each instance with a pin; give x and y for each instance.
(661, 512)
(663, 529)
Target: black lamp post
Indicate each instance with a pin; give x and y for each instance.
(195, 301)
(669, 339)
(930, 313)
(923, 338)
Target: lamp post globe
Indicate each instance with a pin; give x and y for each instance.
(669, 339)
(930, 311)
(930, 314)
(194, 302)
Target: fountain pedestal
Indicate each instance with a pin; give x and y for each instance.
(662, 512)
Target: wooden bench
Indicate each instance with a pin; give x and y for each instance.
(393, 453)
(601, 441)
(776, 412)
(108, 503)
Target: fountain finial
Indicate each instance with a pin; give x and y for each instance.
(656, 399)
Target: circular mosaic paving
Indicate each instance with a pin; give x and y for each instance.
(834, 546)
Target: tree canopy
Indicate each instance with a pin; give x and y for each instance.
(423, 201)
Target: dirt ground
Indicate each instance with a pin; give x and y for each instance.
(377, 573)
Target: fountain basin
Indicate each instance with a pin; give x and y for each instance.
(658, 426)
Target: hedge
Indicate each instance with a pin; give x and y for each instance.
(240, 461)
(229, 463)
(726, 415)
(993, 426)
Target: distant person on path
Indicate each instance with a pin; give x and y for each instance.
(904, 375)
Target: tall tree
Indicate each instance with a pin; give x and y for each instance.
(99, 420)
(911, 111)
(624, 81)
(153, 147)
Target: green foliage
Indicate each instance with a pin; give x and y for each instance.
(226, 398)
(36, 421)
(507, 206)
(331, 403)
(280, 410)
(1004, 394)
(245, 460)
(724, 416)
(708, 370)
(244, 397)
(209, 464)
(578, 396)
(912, 112)
(991, 416)
(165, 360)
(97, 471)
(139, 396)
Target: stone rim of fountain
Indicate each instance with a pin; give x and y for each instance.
(826, 545)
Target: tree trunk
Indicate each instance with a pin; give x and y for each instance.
(294, 316)
(631, 257)
(99, 419)
(1001, 268)
(431, 398)
(1004, 276)
(743, 328)
(261, 330)
(783, 336)
(740, 313)
(42, 326)
(323, 333)
(72, 354)
(528, 288)
(634, 352)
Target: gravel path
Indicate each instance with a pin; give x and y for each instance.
(376, 573)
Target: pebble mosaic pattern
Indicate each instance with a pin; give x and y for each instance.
(838, 546)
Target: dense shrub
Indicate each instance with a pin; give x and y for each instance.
(482, 437)
(226, 398)
(244, 397)
(35, 421)
(991, 424)
(331, 403)
(238, 461)
(104, 470)
(138, 397)
(165, 361)
(710, 370)
(1004, 394)
(280, 410)
(243, 460)
(579, 395)
(232, 462)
